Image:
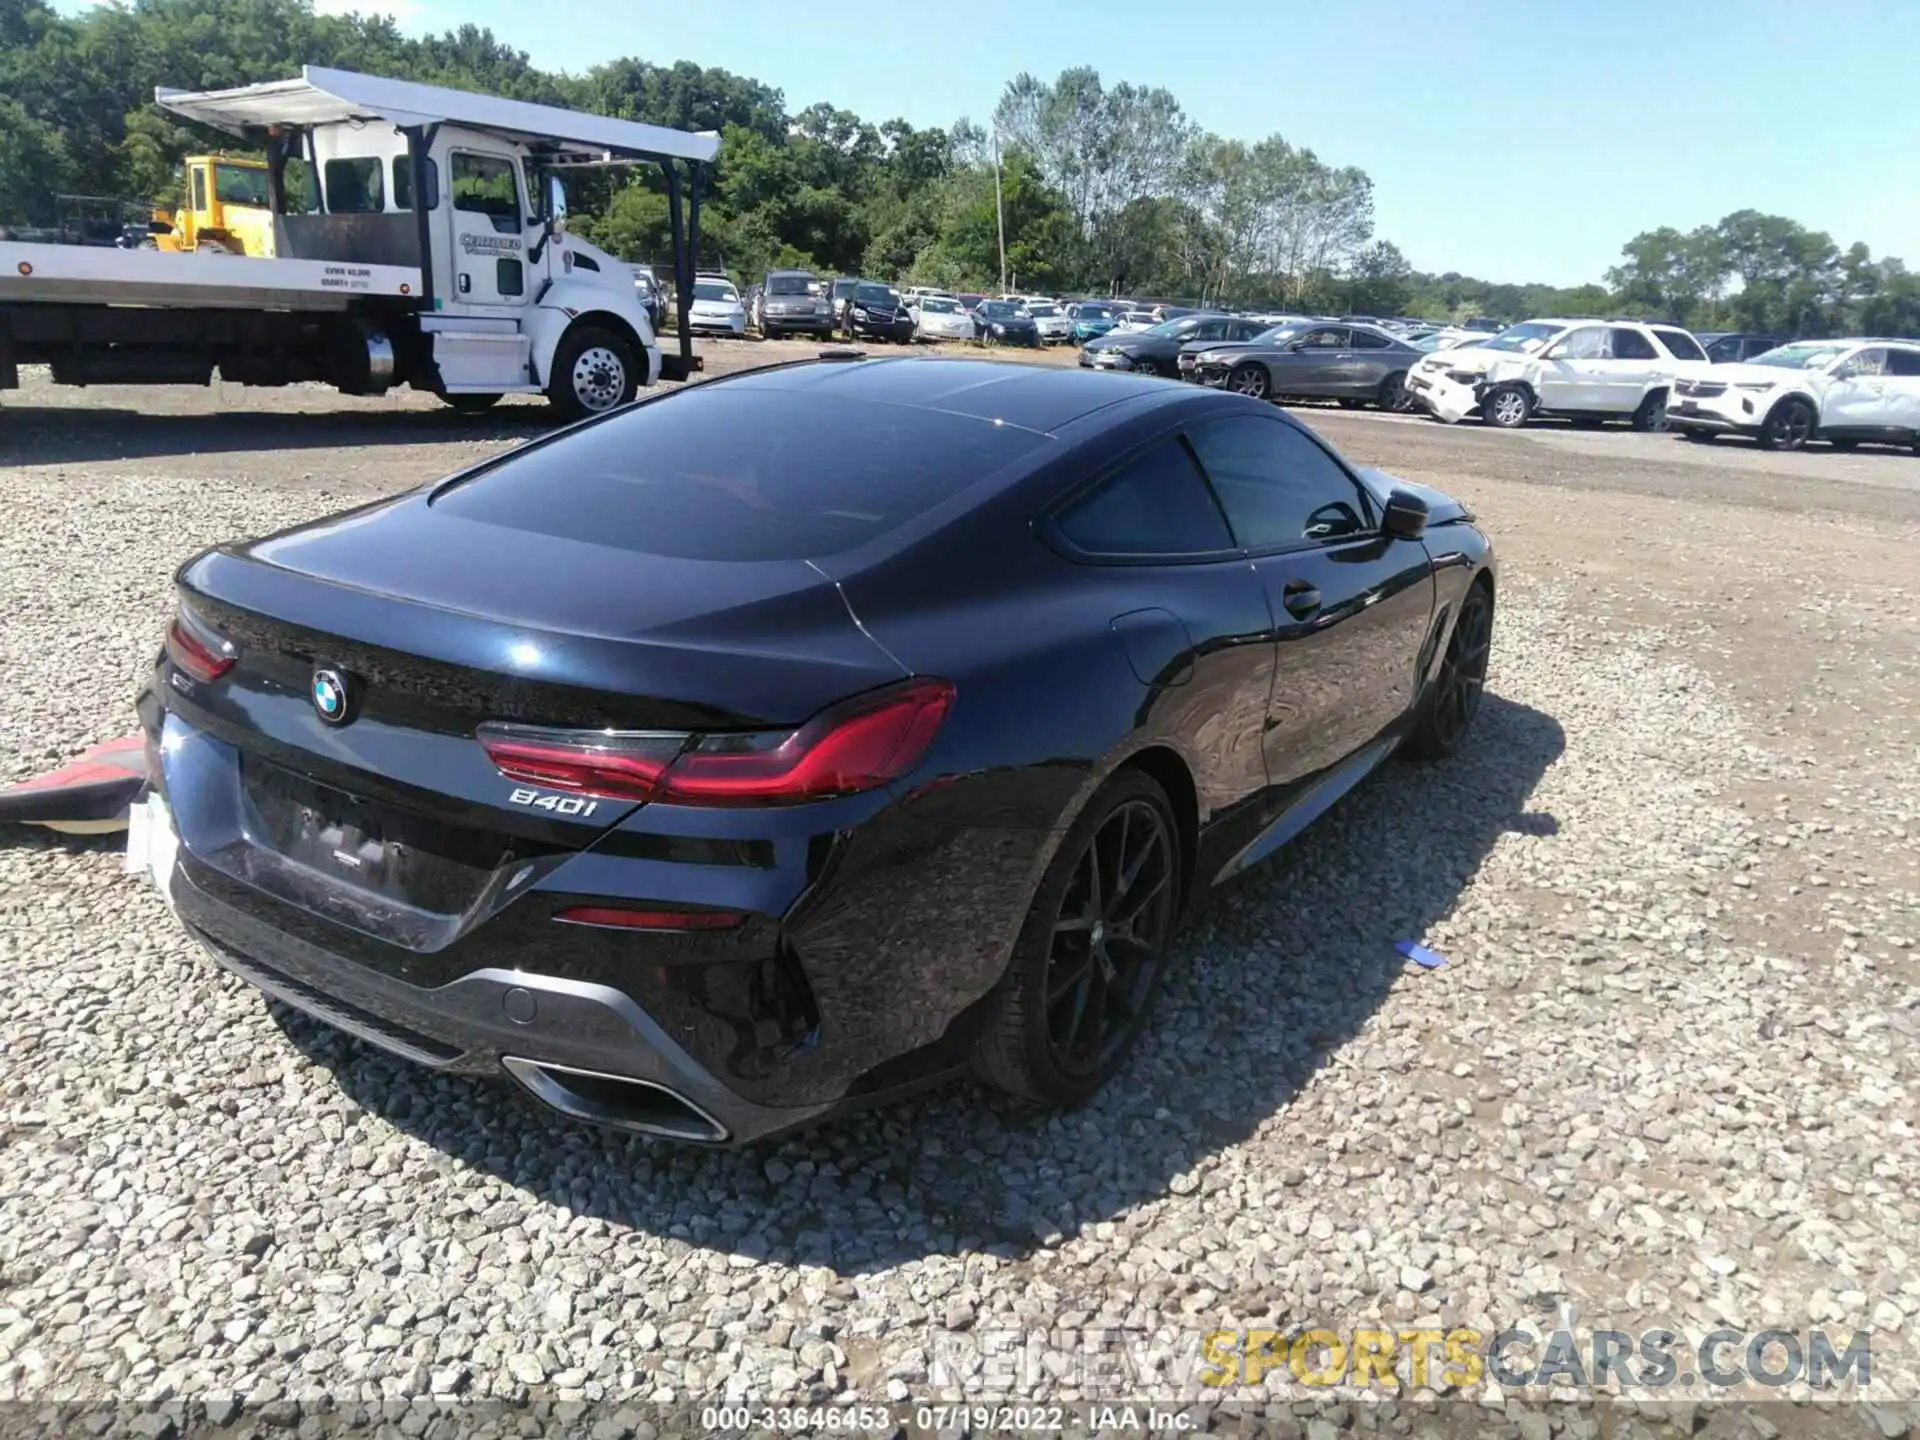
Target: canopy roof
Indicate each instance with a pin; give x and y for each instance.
(329, 97)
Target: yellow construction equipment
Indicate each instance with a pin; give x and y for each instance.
(226, 211)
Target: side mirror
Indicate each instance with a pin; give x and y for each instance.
(1405, 517)
(557, 203)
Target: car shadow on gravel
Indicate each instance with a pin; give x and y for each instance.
(1266, 989)
(56, 435)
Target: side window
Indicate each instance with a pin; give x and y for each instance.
(1866, 362)
(1210, 330)
(1632, 345)
(1371, 340)
(1328, 338)
(1726, 348)
(1681, 345)
(1277, 485)
(353, 186)
(200, 188)
(484, 185)
(1157, 505)
(1587, 343)
(1243, 329)
(1903, 362)
(403, 183)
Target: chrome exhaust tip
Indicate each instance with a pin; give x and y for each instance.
(618, 1101)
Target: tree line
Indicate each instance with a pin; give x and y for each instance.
(1103, 189)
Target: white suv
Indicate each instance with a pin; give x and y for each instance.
(1589, 370)
(1842, 391)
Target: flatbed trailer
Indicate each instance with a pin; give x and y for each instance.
(477, 292)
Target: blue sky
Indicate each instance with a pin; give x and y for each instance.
(1510, 139)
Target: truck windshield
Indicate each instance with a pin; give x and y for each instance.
(787, 285)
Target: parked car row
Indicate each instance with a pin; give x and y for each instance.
(1660, 377)
(1295, 359)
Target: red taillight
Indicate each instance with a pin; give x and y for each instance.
(196, 650)
(858, 745)
(855, 746)
(618, 917)
(620, 765)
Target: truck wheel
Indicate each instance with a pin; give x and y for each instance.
(1505, 407)
(471, 404)
(1652, 414)
(594, 370)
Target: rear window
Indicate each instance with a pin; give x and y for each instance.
(720, 474)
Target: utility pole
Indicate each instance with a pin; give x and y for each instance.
(1000, 212)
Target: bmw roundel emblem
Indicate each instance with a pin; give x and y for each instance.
(330, 696)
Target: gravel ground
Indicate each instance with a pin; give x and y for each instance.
(1665, 1076)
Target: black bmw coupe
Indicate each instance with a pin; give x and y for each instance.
(780, 743)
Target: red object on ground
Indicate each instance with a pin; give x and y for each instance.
(92, 794)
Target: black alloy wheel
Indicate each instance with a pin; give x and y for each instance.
(1087, 968)
(1455, 698)
(1789, 427)
(1106, 945)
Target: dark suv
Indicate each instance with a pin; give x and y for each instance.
(786, 302)
(1731, 347)
(875, 311)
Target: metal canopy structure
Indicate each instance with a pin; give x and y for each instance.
(336, 97)
(266, 114)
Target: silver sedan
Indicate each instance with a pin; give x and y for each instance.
(941, 317)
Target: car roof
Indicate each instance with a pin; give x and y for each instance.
(1035, 397)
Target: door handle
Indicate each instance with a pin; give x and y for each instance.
(1300, 598)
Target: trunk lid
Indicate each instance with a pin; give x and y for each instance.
(395, 821)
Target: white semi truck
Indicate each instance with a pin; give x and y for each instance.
(437, 257)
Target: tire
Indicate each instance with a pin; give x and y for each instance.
(1394, 397)
(1454, 698)
(1789, 426)
(213, 247)
(1059, 1053)
(594, 371)
(1251, 380)
(1506, 407)
(471, 404)
(1651, 417)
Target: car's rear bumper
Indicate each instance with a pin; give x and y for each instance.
(541, 1029)
(871, 929)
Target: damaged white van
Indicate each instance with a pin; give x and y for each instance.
(1587, 370)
